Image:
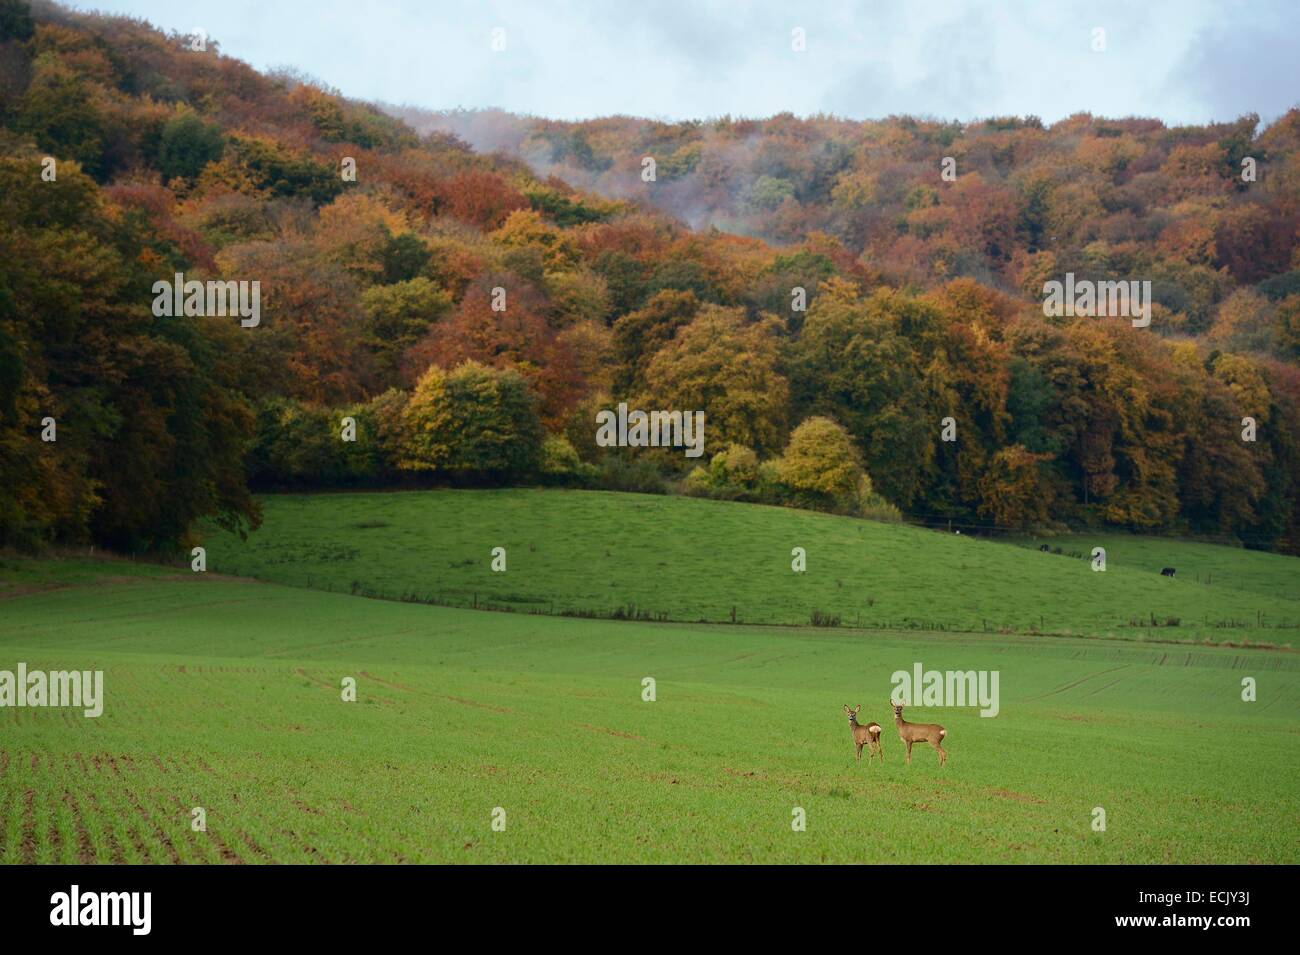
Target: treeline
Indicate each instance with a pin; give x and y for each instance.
(476, 424)
(1052, 422)
(464, 321)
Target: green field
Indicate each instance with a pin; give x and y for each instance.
(1210, 565)
(224, 694)
(690, 560)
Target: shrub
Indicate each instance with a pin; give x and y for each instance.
(621, 471)
(731, 475)
(472, 419)
(873, 506)
(560, 463)
(738, 465)
(697, 483)
(296, 444)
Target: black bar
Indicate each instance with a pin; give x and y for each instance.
(332, 904)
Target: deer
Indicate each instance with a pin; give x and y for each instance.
(868, 735)
(910, 733)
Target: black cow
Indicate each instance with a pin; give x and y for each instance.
(1167, 572)
(1044, 548)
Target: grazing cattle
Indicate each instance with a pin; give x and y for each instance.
(1044, 548)
(1167, 572)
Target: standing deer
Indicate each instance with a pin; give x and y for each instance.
(868, 735)
(910, 733)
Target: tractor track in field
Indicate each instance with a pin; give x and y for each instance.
(1018, 797)
(325, 684)
(1079, 682)
(1106, 686)
(389, 683)
(314, 679)
(302, 649)
(610, 732)
(26, 590)
(476, 705)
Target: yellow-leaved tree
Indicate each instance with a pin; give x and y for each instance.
(822, 467)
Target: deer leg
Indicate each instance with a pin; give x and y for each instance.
(909, 752)
(943, 754)
(859, 745)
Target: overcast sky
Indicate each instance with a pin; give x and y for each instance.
(1183, 61)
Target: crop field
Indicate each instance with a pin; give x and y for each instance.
(682, 559)
(224, 694)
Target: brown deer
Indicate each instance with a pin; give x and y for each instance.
(868, 735)
(910, 733)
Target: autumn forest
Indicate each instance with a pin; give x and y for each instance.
(469, 290)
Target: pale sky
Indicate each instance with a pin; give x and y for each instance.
(1183, 61)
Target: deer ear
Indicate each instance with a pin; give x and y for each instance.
(857, 708)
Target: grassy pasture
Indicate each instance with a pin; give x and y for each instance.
(224, 694)
(1210, 565)
(683, 559)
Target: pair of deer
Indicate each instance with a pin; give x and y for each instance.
(909, 733)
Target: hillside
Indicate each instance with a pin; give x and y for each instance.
(1098, 196)
(225, 695)
(680, 559)
(469, 316)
